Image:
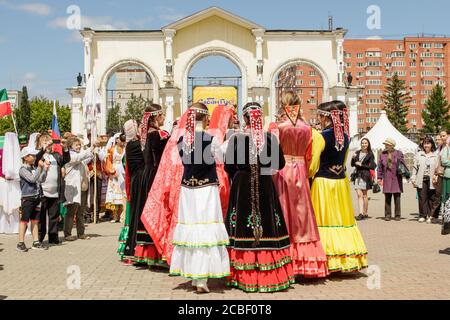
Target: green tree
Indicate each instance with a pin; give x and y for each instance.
(436, 114)
(23, 113)
(135, 108)
(42, 115)
(114, 120)
(6, 125)
(396, 100)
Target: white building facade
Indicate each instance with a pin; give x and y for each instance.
(168, 55)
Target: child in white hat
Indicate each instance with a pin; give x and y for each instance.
(30, 180)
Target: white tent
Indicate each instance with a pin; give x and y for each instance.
(384, 129)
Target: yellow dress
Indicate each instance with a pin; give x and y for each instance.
(331, 198)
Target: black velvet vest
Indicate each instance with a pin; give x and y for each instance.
(332, 161)
(199, 165)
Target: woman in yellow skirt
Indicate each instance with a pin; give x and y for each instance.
(330, 191)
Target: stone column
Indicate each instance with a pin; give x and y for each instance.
(76, 105)
(168, 98)
(259, 41)
(353, 114)
(87, 57)
(340, 61)
(168, 41)
(101, 127)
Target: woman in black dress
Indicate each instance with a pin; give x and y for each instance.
(153, 141)
(259, 242)
(135, 165)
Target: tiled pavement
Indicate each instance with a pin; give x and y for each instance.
(406, 253)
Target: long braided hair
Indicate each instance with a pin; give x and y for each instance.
(253, 118)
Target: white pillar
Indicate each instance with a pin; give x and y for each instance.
(340, 61)
(87, 56)
(76, 110)
(168, 41)
(353, 115)
(103, 113)
(75, 119)
(259, 41)
(169, 113)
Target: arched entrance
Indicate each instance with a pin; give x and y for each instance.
(304, 78)
(125, 87)
(238, 78)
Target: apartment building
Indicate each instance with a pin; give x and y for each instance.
(420, 62)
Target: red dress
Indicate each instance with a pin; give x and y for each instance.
(160, 214)
(308, 256)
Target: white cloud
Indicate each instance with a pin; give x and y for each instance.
(141, 23)
(36, 8)
(75, 36)
(98, 23)
(171, 17)
(29, 77)
(2, 39)
(168, 14)
(374, 38)
(40, 9)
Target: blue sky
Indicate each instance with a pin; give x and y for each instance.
(37, 50)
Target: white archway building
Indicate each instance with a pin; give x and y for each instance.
(167, 55)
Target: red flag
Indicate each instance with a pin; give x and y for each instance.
(5, 104)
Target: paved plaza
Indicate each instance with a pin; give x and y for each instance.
(408, 261)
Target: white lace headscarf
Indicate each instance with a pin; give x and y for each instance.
(131, 130)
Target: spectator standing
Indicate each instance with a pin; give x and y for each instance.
(30, 179)
(52, 188)
(425, 164)
(364, 161)
(438, 175)
(77, 186)
(389, 178)
(116, 196)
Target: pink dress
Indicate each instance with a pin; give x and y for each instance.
(308, 257)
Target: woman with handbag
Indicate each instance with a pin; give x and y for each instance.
(425, 163)
(390, 165)
(364, 161)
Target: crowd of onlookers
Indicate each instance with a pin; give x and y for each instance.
(57, 187)
(57, 181)
(429, 174)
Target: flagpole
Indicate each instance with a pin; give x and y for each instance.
(14, 123)
(95, 185)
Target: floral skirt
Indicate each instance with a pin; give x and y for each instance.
(261, 270)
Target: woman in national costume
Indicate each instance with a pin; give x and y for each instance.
(330, 191)
(134, 168)
(200, 237)
(295, 137)
(130, 130)
(160, 214)
(259, 241)
(153, 141)
(115, 194)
